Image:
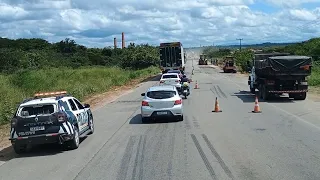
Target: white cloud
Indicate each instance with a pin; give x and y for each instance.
(193, 22)
(290, 3)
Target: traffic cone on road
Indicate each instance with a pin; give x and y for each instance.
(197, 86)
(216, 106)
(256, 106)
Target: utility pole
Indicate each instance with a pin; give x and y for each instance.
(240, 42)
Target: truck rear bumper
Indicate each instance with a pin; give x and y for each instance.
(289, 91)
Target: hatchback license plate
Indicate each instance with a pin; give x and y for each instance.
(162, 113)
(37, 128)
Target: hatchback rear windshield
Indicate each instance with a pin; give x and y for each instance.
(161, 94)
(37, 110)
(169, 76)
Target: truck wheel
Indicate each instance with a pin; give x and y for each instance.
(252, 90)
(291, 95)
(301, 96)
(265, 94)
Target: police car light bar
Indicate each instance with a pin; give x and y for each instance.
(50, 93)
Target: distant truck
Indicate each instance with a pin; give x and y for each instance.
(278, 73)
(172, 57)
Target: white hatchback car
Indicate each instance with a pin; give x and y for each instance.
(172, 79)
(161, 101)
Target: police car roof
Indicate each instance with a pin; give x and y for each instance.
(46, 100)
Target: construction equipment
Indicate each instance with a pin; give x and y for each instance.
(203, 60)
(229, 65)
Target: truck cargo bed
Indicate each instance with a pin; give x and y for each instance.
(283, 66)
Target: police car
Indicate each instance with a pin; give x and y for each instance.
(51, 117)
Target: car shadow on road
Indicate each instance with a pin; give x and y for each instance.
(39, 150)
(137, 119)
(248, 97)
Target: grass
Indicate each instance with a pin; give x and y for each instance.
(314, 79)
(81, 83)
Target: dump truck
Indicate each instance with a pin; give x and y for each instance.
(203, 60)
(277, 73)
(172, 56)
(229, 65)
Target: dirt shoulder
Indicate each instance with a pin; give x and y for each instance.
(95, 102)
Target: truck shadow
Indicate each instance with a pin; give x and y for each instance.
(248, 97)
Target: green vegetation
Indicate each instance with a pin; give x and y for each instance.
(212, 52)
(32, 65)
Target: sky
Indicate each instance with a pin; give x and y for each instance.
(94, 23)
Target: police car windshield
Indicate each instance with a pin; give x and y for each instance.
(37, 110)
(161, 94)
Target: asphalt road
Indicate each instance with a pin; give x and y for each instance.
(281, 143)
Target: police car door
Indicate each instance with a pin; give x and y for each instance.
(83, 115)
(78, 113)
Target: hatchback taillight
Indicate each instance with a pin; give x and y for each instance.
(62, 117)
(177, 102)
(161, 81)
(144, 103)
(177, 81)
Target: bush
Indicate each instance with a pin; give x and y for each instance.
(80, 83)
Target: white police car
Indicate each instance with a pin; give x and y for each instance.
(52, 117)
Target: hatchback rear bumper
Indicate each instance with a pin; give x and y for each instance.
(177, 110)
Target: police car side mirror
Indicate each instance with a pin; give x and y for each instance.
(86, 105)
(143, 94)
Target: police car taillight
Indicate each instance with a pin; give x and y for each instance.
(62, 117)
(14, 122)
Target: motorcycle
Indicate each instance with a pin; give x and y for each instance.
(185, 89)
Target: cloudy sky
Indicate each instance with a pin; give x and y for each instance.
(95, 23)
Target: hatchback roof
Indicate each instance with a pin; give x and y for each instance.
(162, 88)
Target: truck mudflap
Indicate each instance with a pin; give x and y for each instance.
(289, 91)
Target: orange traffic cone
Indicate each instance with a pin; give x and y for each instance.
(197, 86)
(256, 106)
(216, 106)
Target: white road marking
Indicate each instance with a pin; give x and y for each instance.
(2, 163)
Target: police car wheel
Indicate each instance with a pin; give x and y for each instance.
(74, 143)
(91, 125)
(19, 149)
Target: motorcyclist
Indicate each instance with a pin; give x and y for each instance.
(185, 83)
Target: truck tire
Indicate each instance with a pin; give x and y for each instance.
(252, 90)
(301, 96)
(291, 95)
(264, 94)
